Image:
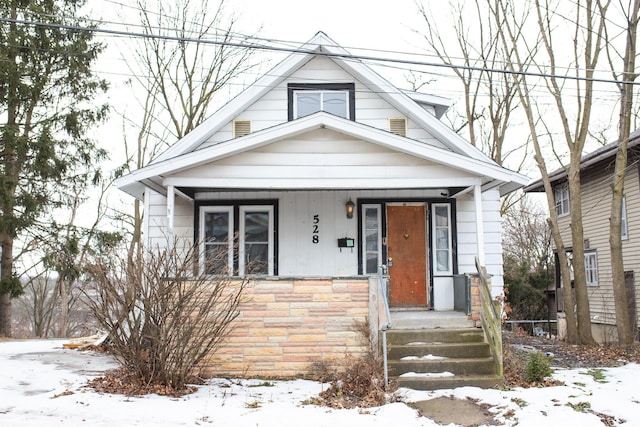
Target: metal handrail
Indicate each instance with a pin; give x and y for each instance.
(383, 281)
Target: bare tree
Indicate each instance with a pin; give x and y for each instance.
(574, 112)
(163, 313)
(192, 52)
(489, 97)
(626, 77)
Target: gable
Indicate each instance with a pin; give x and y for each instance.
(272, 108)
(322, 154)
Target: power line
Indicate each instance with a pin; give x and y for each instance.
(264, 47)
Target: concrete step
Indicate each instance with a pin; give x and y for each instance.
(430, 320)
(419, 382)
(433, 336)
(451, 350)
(457, 367)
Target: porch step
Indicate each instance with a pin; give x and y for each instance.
(430, 320)
(427, 359)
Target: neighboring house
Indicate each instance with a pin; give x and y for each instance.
(325, 172)
(596, 176)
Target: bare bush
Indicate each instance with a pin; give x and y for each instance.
(163, 313)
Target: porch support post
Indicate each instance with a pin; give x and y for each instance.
(477, 197)
(171, 200)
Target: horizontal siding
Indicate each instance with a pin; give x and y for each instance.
(467, 241)
(596, 210)
(322, 154)
(371, 109)
(300, 257)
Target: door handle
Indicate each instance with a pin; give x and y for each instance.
(389, 262)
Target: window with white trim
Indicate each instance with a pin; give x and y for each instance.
(561, 196)
(442, 251)
(251, 253)
(216, 237)
(624, 230)
(591, 267)
(256, 242)
(372, 238)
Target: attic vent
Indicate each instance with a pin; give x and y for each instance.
(241, 128)
(398, 126)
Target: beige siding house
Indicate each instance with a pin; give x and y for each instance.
(596, 177)
(320, 176)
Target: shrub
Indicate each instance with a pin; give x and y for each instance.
(538, 367)
(164, 316)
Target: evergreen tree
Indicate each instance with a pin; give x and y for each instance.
(47, 104)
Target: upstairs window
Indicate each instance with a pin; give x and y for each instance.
(561, 195)
(308, 98)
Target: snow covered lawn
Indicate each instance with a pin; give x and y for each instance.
(41, 384)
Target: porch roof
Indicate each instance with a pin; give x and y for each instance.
(466, 171)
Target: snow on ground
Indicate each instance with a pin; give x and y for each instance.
(41, 384)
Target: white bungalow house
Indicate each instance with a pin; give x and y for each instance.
(325, 172)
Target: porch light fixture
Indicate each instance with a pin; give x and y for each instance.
(350, 207)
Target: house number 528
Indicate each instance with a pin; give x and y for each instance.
(315, 230)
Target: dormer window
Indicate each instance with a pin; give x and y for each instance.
(308, 98)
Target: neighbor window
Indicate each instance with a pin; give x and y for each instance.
(441, 217)
(252, 252)
(561, 195)
(624, 231)
(307, 98)
(591, 267)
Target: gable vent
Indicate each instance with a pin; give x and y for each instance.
(241, 128)
(398, 126)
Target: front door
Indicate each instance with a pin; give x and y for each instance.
(407, 255)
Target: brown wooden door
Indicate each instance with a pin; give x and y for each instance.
(407, 256)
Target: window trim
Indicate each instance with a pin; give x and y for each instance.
(434, 239)
(624, 224)
(559, 192)
(241, 244)
(363, 208)
(591, 270)
(235, 205)
(216, 209)
(293, 88)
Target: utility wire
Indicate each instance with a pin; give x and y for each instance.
(264, 47)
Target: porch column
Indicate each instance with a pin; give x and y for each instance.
(477, 197)
(171, 200)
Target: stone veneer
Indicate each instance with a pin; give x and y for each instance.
(287, 324)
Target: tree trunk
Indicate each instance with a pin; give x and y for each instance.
(623, 321)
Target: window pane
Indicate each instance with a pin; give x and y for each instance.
(256, 227)
(257, 258)
(442, 238)
(216, 258)
(442, 260)
(335, 103)
(442, 216)
(372, 262)
(307, 103)
(256, 242)
(216, 226)
(216, 237)
(371, 219)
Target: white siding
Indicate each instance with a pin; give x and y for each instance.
(299, 256)
(156, 219)
(271, 109)
(322, 154)
(467, 241)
